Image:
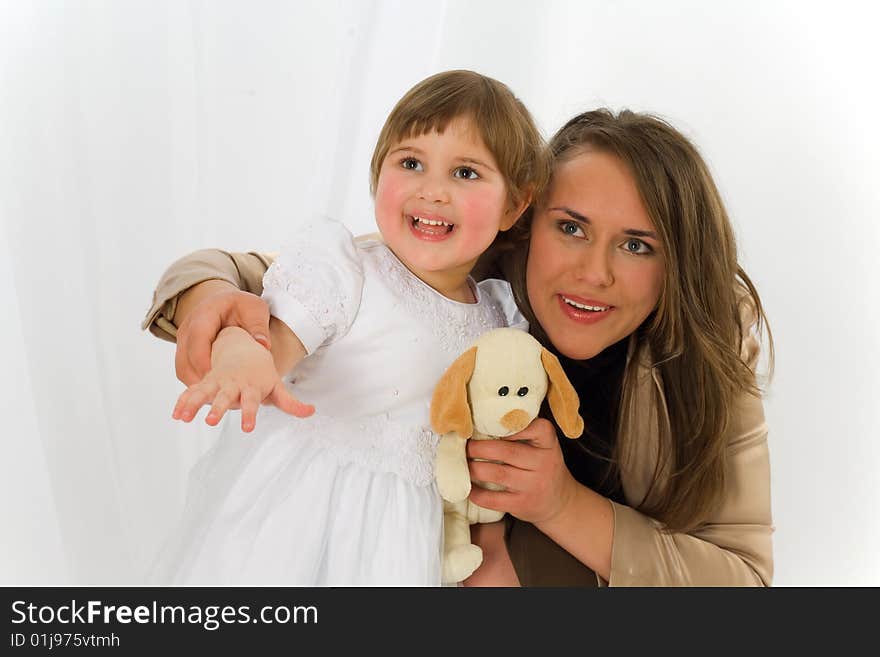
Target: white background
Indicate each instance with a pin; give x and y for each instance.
(134, 132)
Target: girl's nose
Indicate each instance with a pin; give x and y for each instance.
(434, 190)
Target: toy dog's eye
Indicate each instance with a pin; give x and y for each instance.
(502, 391)
(522, 392)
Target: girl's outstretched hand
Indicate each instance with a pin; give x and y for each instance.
(537, 483)
(242, 375)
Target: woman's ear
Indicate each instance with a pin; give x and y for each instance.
(515, 211)
(563, 399)
(450, 410)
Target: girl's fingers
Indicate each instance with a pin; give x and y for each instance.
(250, 402)
(286, 402)
(176, 414)
(192, 399)
(227, 396)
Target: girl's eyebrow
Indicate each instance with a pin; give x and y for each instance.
(463, 158)
(404, 147)
(479, 163)
(632, 232)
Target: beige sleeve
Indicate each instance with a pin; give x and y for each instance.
(734, 547)
(244, 270)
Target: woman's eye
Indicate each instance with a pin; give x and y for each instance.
(571, 228)
(411, 163)
(465, 172)
(637, 247)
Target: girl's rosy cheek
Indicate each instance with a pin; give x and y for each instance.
(388, 193)
(485, 207)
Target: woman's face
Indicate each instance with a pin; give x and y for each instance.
(595, 267)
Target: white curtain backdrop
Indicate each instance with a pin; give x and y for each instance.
(134, 132)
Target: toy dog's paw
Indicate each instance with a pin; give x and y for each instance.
(477, 514)
(460, 563)
(454, 485)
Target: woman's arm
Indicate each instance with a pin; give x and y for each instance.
(179, 289)
(497, 568)
(624, 546)
(733, 547)
(226, 288)
(541, 490)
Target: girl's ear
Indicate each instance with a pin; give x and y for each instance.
(450, 410)
(563, 399)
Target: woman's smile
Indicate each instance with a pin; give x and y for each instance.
(585, 311)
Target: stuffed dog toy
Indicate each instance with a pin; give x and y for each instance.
(494, 389)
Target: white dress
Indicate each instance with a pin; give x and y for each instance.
(345, 497)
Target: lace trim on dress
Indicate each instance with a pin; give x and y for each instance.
(300, 280)
(455, 325)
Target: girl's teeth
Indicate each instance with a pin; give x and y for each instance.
(429, 222)
(582, 306)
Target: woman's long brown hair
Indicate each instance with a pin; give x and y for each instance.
(695, 334)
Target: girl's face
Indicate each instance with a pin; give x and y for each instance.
(440, 202)
(595, 268)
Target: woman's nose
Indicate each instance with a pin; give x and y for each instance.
(595, 266)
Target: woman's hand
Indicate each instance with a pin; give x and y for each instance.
(541, 490)
(243, 374)
(538, 485)
(202, 312)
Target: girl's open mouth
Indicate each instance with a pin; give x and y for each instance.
(430, 227)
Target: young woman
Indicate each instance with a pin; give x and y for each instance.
(627, 269)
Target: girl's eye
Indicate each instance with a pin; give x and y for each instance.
(465, 172)
(571, 228)
(637, 247)
(411, 163)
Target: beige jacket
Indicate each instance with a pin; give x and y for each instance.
(732, 549)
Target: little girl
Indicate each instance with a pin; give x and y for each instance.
(363, 329)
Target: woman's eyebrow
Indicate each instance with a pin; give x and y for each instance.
(577, 216)
(633, 232)
(641, 233)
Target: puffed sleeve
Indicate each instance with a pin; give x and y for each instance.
(501, 292)
(315, 284)
(243, 270)
(734, 547)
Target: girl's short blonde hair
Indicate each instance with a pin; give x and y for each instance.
(502, 121)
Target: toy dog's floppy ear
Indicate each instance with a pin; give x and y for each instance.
(450, 410)
(563, 399)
